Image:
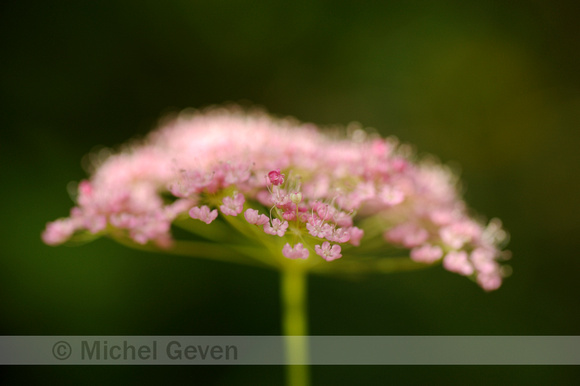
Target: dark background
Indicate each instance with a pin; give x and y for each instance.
(493, 86)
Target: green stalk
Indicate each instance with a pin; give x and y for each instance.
(295, 324)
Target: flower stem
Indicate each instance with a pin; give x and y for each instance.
(295, 324)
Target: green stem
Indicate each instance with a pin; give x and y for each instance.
(295, 324)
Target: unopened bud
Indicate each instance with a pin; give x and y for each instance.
(296, 197)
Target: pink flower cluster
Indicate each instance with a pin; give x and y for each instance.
(292, 181)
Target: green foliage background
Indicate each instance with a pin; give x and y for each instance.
(493, 86)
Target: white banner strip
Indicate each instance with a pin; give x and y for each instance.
(270, 350)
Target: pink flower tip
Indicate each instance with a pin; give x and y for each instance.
(298, 252)
(327, 252)
(203, 214)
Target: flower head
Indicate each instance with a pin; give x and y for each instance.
(329, 194)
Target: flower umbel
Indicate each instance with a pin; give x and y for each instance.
(300, 191)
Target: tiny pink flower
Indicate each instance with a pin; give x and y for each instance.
(426, 253)
(58, 231)
(275, 177)
(191, 181)
(277, 228)
(203, 214)
(324, 211)
(457, 262)
(339, 235)
(483, 261)
(418, 236)
(123, 220)
(399, 164)
(342, 219)
(235, 174)
(453, 239)
(298, 252)
(289, 215)
(356, 234)
(317, 228)
(443, 216)
(391, 196)
(139, 238)
(304, 217)
(289, 206)
(379, 147)
(459, 233)
(489, 282)
(95, 224)
(327, 252)
(85, 188)
(279, 197)
(410, 235)
(233, 206)
(253, 217)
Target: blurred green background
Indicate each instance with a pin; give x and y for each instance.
(493, 86)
